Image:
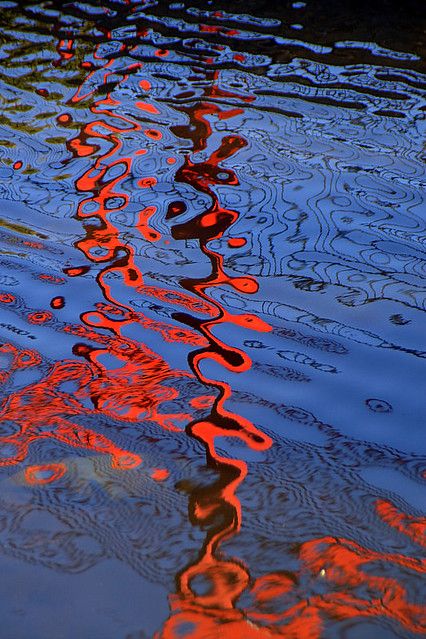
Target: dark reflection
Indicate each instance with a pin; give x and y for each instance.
(211, 297)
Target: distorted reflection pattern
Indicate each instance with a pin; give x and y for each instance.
(211, 303)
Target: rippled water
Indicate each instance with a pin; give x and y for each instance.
(212, 299)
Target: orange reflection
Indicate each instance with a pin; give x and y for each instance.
(44, 473)
(139, 381)
(226, 579)
(297, 614)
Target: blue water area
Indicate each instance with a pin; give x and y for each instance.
(212, 312)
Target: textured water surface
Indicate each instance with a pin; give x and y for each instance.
(212, 296)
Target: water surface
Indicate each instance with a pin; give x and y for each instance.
(212, 295)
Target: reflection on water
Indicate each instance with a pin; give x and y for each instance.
(211, 296)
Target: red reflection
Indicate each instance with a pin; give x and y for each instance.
(280, 608)
(160, 474)
(42, 410)
(39, 317)
(137, 383)
(134, 389)
(57, 302)
(44, 473)
(413, 527)
(65, 48)
(338, 561)
(127, 381)
(237, 242)
(226, 579)
(51, 278)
